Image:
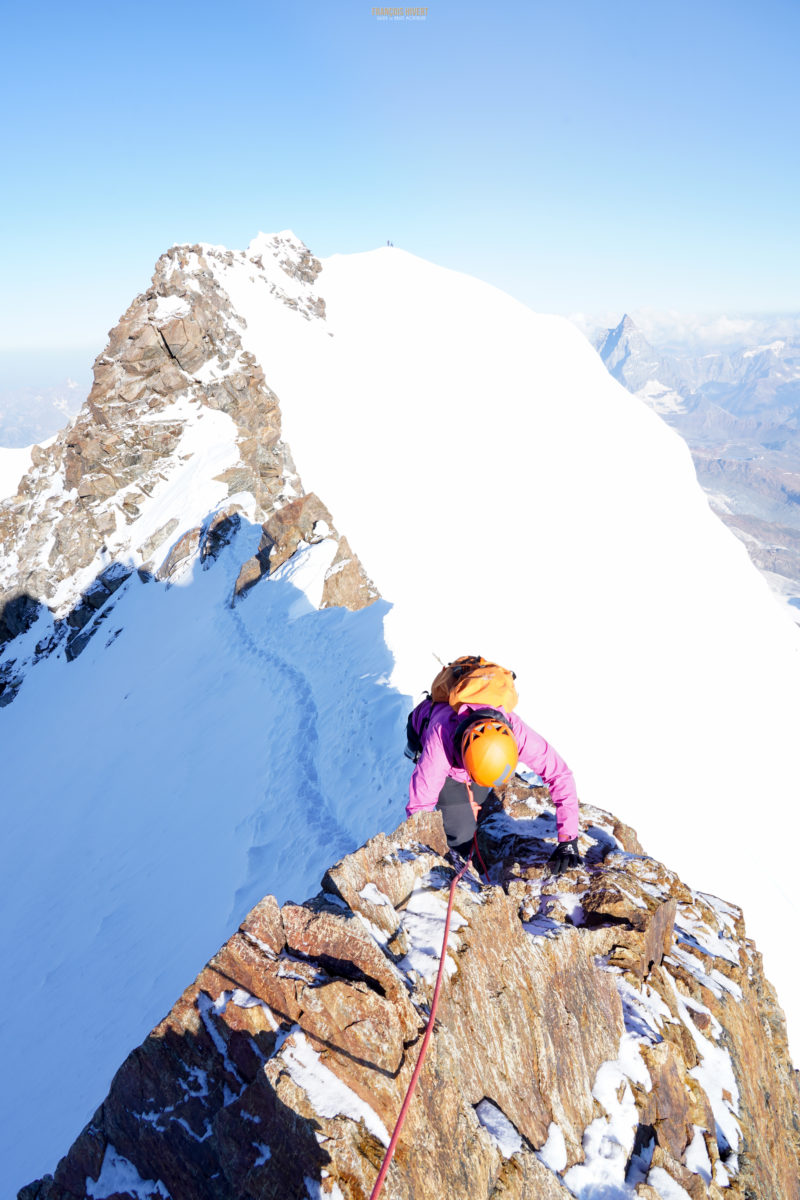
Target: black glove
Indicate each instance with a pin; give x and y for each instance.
(564, 856)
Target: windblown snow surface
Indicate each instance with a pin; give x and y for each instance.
(13, 465)
(509, 498)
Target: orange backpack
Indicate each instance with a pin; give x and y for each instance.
(473, 680)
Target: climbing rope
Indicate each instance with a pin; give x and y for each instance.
(475, 850)
(429, 1030)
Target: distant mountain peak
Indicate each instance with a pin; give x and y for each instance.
(631, 359)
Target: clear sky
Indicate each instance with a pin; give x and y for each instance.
(583, 156)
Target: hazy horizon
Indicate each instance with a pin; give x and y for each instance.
(582, 158)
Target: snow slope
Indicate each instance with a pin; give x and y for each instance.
(161, 784)
(13, 465)
(511, 499)
(508, 498)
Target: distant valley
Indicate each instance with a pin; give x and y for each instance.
(739, 413)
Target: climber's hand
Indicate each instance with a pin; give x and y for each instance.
(565, 856)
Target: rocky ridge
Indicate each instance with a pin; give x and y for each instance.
(609, 1032)
(106, 502)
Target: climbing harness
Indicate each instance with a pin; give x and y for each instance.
(429, 1029)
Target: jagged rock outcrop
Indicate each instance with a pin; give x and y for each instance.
(609, 1029)
(176, 400)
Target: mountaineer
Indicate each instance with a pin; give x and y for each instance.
(465, 739)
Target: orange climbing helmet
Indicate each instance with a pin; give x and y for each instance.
(488, 748)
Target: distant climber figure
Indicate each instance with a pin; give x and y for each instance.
(463, 747)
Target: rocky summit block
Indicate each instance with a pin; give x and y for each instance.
(609, 1032)
(174, 359)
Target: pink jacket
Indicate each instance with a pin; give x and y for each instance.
(439, 757)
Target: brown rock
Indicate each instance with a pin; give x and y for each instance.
(667, 1107)
(658, 936)
(249, 574)
(144, 346)
(701, 1019)
(691, 1183)
(97, 487)
(156, 539)
(352, 1021)
(524, 1177)
(627, 838)
(611, 894)
(169, 379)
(131, 389)
(292, 524)
(386, 864)
(342, 945)
(185, 547)
(254, 568)
(263, 923)
(308, 994)
(346, 583)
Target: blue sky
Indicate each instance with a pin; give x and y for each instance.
(584, 157)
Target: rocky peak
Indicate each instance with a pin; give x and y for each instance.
(632, 360)
(617, 343)
(627, 327)
(180, 437)
(608, 1030)
(292, 256)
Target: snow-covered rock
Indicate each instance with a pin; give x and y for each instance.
(605, 1033)
(173, 752)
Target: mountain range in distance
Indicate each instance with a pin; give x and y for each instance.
(739, 413)
(40, 391)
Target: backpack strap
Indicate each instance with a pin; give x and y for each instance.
(414, 735)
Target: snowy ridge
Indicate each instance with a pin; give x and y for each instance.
(606, 539)
(208, 753)
(196, 739)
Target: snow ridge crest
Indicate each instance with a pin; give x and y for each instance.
(180, 437)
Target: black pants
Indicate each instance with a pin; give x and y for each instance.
(457, 815)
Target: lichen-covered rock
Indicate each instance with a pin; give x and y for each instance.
(607, 1032)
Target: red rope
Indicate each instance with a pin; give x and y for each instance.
(476, 808)
(429, 1030)
(475, 850)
